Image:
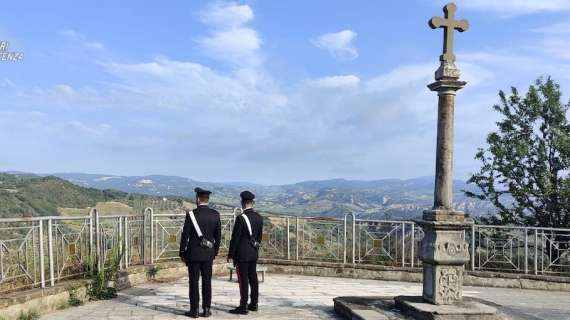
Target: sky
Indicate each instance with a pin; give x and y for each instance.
(268, 92)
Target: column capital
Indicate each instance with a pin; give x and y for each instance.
(447, 86)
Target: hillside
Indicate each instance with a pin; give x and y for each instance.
(380, 199)
(25, 195)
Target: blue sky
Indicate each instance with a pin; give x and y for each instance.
(262, 91)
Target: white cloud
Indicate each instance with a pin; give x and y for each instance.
(556, 47)
(64, 89)
(402, 77)
(95, 130)
(77, 37)
(227, 15)
(336, 82)
(69, 33)
(248, 124)
(238, 45)
(515, 7)
(553, 40)
(230, 39)
(7, 83)
(171, 84)
(338, 44)
(560, 28)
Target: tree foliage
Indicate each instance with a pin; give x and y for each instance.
(525, 167)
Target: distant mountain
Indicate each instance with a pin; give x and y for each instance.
(28, 195)
(388, 198)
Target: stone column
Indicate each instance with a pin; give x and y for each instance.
(444, 250)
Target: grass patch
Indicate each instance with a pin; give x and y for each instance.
(73, 300)
(30, 315)
(62, 306)
(152, 272)
(100, 289)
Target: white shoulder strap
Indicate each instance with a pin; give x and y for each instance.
(195, 223)
(248, 224)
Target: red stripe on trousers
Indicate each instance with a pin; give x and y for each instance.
(238, 276)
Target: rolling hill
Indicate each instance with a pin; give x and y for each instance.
(379, 199)
(27, 195)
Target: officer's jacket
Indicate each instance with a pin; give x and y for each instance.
(209, 222)
(240, 248)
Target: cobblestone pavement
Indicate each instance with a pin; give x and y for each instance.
(297, 297)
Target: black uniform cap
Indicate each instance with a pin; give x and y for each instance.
(247, 195)
(200, 192)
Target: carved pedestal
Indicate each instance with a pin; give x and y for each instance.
(444, 253)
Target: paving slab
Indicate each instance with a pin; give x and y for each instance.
(296, 297)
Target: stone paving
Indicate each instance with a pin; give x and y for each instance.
(298, 297)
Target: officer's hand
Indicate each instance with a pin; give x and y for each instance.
(182, 259)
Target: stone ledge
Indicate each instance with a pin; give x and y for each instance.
(407, 274)
(50, 298)
(19, 297)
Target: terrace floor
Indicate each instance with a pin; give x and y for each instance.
(298, 297)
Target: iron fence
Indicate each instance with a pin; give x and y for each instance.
(520, 249)
(40, 251)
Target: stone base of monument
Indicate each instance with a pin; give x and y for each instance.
(466, 310)
(406, 307)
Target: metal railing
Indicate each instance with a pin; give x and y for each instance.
(41, 251)
(520, 249)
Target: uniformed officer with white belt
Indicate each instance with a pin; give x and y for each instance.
(199, 246)
(244, 250)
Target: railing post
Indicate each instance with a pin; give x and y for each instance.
(288, 240)
(412, 254)
(403, 244)
(151, 236)
(98, 256)
(91, 251)
(42, 262)
(126, 242)
(473, 247)
(50, 253)
(297, 239)
(353, 238)
(535, 251)
(121, 242)
(141, 236)
(525, 250)
(344, 240)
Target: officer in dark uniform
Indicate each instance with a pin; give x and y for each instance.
(198, 252)
(244, 249)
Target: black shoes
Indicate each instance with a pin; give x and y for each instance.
(206, 313)
(239, 310)
(191, 313)
(252, 307)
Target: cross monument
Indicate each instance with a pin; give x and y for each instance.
(444, 250)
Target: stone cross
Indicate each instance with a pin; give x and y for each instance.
(449, 25)
(444, 250)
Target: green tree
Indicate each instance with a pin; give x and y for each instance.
(525, 167)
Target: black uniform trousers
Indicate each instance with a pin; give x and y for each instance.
(247, 276)
(195, 269)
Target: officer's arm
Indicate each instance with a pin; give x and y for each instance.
(260, 234)
(236, 235)
(218, 235)
(184, 238)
